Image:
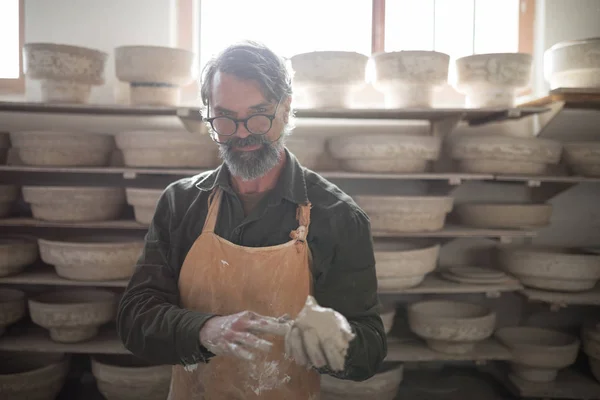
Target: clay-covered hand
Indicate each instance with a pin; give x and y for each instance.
(235, 334)
(319, 337)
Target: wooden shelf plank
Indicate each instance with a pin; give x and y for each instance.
(591, 297)
(45, 275)
(582, 98)
(413, 349)
(533, 180)
(437, 285)
(34, 338)
(451, 231)
(86, 109)
(34, 223)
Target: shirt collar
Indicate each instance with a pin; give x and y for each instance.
(290, 186)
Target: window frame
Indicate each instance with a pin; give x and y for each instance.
(17, 86)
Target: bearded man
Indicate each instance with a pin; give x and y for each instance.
(259, 276)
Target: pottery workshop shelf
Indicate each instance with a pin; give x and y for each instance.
(560, 299)
(450, 231)
(571, 98)
(45, 275)
(34, 223)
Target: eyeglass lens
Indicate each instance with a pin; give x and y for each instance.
(257, 125)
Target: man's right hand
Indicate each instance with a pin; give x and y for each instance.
(234, 334)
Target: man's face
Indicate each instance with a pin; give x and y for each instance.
(247, 156)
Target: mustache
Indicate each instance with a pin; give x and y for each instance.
(251, 140)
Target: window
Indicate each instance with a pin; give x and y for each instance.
(11, 41)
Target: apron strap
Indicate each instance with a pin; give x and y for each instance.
(214, 205)
(303, 218)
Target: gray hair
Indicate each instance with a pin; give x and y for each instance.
(250, 60)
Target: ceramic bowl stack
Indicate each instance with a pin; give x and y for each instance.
(475, 276)
(73, 315)
(309, 150)
(144, 203)
(125, 377)
(504, 154)
(8, 195)
(409, 78)
(396, 214)
(449, 326)
(12, 307)
(583, 158)
(167, 149)
(383, 385)
(504, 216)
(92, 258)
(538, 354)
(492, 80)
(66, 73)
(4, 147)
(573, 64)
(392, 153)
(16, 253)
(74, 204)
(63, 149)
(402, 265)
(591, 345)
(551, 268)
(155, 74)
(328, 79)
(388, 313)
(32, 376)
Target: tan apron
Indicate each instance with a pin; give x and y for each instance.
(221, 277)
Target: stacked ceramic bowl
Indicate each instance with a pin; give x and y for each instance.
(504, 154)
(402, 265)
(66, 73)
(393, 153)
(63, 149)
(538, 354)
(16, 253)
(503, 216)
(397, 214)
(144, 203)
(550, 268)
(74, 204)
(8, 195)
(124, 377)
(167, 149)
(476, 276)
(449, 326)
(92, 258)
(591, 345)
(12, 307)
(155, 74)
(583, 158)
(32, 375)
(409, 78)
(573, 64)
(328, 79)
(388, 314)
(309, 151)
(492, 80)
(383, 385)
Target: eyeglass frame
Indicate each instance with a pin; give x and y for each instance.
(270, 117)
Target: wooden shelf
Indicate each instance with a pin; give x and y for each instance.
(581, 98)
(34, 338)
(34, 223)
(459, 232)
(45, 275)
(533, 180)
(437, 285)
(413, 349)
(562, 299)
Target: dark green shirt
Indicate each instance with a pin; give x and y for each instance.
(150, 321)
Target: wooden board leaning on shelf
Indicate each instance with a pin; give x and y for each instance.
(581, 98)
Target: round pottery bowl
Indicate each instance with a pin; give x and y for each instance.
(538, 353)
(16, 253)
(573, 64)
(76, 204)
(8, 195)
(504, 216)
(73, 315)
(550, 268)
(408, 78)
(329, 67)
(67, 73)
(308, 150)
(402, 265)
(63, 149)
(583, 157)
(125, 377)
(506, 148)
(449, 326)
(492, 80)
(92, 258)
(12, 307)
(144, 203)
(393, 153)
(405, 213)
(382, 386)
(32, 376)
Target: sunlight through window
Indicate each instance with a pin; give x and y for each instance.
(9, 39)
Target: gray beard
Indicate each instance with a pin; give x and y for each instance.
(250, 165)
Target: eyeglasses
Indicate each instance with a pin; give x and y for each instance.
(256, 124)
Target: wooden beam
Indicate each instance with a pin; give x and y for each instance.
(186, 14)
(526, 26)
(378, 27)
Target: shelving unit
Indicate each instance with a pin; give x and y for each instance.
(412, 349)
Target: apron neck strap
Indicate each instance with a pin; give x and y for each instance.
(214, 204)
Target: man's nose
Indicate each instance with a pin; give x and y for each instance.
(242, 132)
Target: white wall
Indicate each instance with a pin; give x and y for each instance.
(100, 24)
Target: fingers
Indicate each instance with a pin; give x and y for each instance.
(312, 346)
(335, 356)
(294, 346)
(250, 341)
(238, 351)
(269, 325)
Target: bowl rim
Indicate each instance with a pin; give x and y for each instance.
(66, 47)
(571, 42)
